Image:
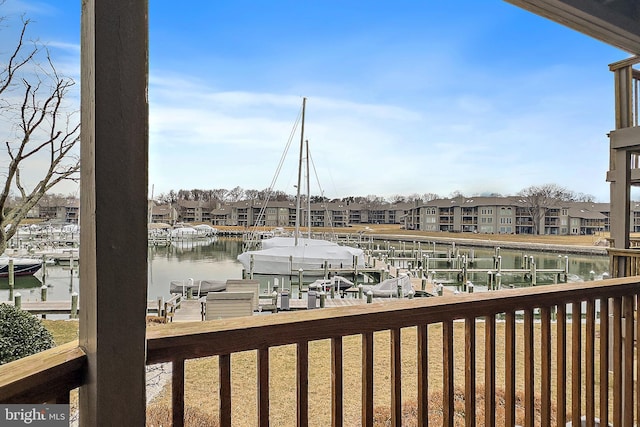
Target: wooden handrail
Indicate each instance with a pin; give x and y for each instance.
(43, 377)
(180, 342)
(197, 339)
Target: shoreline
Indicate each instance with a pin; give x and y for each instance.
(573, 244)
(487, 243)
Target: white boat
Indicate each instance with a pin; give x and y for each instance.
(337, 282)
(205, 230)
(183, 233)
(309, 254)
(287, 255)
(389, 288)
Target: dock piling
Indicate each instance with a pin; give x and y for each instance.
(74, 306)
(11, 277)
(300, 272)
(17, 300)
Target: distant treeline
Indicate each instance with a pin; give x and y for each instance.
(236, 194)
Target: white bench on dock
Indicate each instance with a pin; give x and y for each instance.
(246, 285)
(223, 305)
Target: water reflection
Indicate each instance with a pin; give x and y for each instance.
(215, 259)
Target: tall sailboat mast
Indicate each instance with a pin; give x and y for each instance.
(297, 230)
(308, 194)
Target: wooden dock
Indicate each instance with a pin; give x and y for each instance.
(191, 310)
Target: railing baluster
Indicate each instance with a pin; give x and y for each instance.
(510, 369)
(336, 382)
(224, 372)
(177, 392)
(604, 361)
(590, 378)
(447, 372)
(367, 379)
(576, 368)
(470, 372)
(628, 360)
(490, 371)
(637, 307)
(617, 361)
(561, 361)
(302, 383)
(616, 355)
(396, 378)
(263, 387)
(545, 359)
(423, 376)
(529, 398)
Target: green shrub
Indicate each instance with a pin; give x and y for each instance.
(21, 334)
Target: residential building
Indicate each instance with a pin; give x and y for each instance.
(508, 215)
(163, 213)
(194, 211)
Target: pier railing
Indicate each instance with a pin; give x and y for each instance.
(523, 345)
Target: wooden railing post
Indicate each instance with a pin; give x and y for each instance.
(336, 382)
(113, 210)
(367, 379)
(263, 387)
(177, 392)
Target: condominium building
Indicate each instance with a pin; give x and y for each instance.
(510, 215)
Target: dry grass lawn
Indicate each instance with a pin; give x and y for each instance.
(201, 383)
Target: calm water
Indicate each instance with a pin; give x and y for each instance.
(215, 258)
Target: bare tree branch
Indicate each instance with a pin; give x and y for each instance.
(44, 130)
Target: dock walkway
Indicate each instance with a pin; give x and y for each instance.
(191, 310)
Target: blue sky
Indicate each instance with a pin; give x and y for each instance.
(404, 97)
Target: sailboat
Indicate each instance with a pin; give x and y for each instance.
(287, 255)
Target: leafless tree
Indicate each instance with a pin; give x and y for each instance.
(539, 199)
(457, 194)
(397, 198)
(427, 197)
(248, 195)
(40, 129)
(235, 194)
(219, 194)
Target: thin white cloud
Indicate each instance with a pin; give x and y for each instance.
(497, 140)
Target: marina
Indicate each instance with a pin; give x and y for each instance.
(214, 259)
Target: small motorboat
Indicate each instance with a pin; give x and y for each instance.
(198, 288)
(389, 288)
(21, 266)
(339, 283)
